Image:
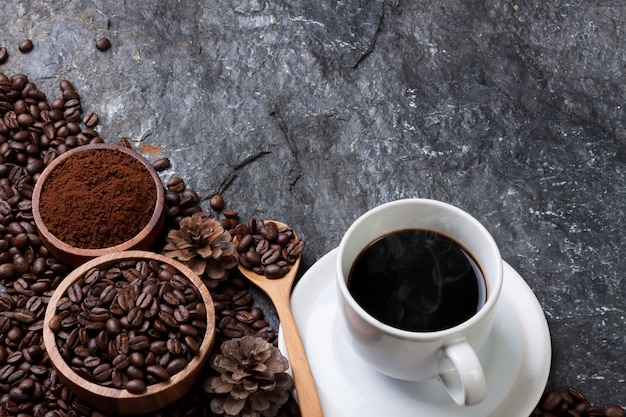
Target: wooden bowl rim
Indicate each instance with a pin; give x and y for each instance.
(117, 393)
(92, 253)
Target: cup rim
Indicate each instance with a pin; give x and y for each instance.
(494, 289)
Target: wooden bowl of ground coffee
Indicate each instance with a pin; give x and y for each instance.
(130, 332)
(98, 199)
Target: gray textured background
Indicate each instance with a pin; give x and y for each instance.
(314, 112)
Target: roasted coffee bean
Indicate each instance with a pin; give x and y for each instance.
(172, 198)
(90, 119)
(252, 257)
(595, 411)
(35, 304)
(113, 326)
(7, 272)
(216, 202)
(572, 403)
(118, 378)
(75, 293)
(158, 372)
(134, 372)
(27, 385)
(233, 330)
(176, 365)
(161, 164)
(158, 347)
(614, 411)
(244, 242)
(181, 314)
(99, 314)
(176, 184)
(188, 199)
(121, 361)
(4, 55)
(24, 315)
(262, 245)
(171, 299)
(552, 401)
(125, 300)
(103, 44)
(144, 300)
(269, 231)
(135, 318)
(138, 343)
(268, 333)
(175, 347)
(26, 46)
(6, 371)
(92, 361)
(137, 359)
(7, 302)
(16, 395)
(273, 271)
(55, 323)
(64, 303)
(259, 324)
(21, 264)
(244, 317)
(95, 326)
(16, 377)
(102, 372)
(3, 355)
(108, 293)
(242, 298)
(15, 357)
(167, 319)
(293, 250)
(136, 386)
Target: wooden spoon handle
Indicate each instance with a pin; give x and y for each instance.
(306, 390)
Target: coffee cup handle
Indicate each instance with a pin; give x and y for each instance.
(465, 379)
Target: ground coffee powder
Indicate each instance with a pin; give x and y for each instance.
(98, 198)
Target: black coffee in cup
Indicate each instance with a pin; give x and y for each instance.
(417, 280)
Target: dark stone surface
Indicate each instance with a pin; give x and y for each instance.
(314, 112)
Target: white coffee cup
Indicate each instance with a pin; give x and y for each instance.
(448, 355)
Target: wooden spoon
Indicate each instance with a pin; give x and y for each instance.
(279, 291)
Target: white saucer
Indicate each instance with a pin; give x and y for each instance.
(516, 357)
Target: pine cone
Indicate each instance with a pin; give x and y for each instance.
(203, 245)
(252, 380)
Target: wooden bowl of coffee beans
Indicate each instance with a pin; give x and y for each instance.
(129, 332)
(98, 199)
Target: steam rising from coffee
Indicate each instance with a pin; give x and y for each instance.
(417, 280)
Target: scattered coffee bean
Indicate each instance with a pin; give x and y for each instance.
(572, 403)
(90, 119)
(614, 411)
(161, 164)
(26, 46)
(180, 201)
(4, 55)
(216, 202)
(103, 44)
